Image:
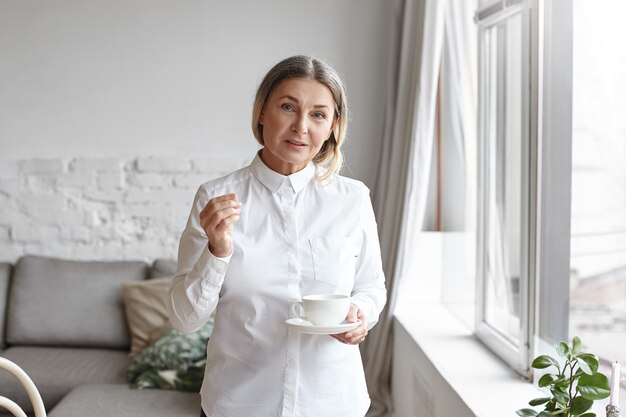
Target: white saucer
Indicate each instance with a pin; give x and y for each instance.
(305, 326)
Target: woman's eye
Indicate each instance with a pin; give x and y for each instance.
(319, 115)
(287, 106)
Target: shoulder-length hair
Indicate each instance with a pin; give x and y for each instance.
(329, 158)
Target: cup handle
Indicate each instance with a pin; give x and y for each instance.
(297, 310)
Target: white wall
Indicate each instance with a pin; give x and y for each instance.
(128, 80)
(418, 387)
(125, 77)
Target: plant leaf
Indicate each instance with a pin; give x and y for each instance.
(588, 363)
(588, 415)
(594, 387)
(580, 405)
(560, 396)
(562, 383)
(576, 345)
(526, 412)
(539, 401)
(543, 361)
(546, 380)
(557, 412)
(562, 349)
(584, 367)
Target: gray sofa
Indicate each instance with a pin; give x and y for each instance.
(63, 322)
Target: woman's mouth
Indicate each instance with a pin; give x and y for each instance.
(296, 145)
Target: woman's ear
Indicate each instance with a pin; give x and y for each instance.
(261, 117)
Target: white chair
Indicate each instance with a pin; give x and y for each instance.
(30, 387)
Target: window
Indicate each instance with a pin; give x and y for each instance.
(523, 176)
(503, 190)
(598, 236)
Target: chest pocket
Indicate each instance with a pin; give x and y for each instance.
(334, 260)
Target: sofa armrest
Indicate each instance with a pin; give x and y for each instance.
(5, 279)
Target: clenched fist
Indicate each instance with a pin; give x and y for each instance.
(217, 219)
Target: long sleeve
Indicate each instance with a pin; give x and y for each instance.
(199, 277)
(369, 292)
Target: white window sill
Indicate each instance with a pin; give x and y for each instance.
(486, 386)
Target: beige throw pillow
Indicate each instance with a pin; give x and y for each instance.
(146, 312)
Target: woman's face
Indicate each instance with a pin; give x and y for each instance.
(297, 118)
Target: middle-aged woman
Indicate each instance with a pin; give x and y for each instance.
(259, 239)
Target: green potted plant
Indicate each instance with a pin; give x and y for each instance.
(573, 385)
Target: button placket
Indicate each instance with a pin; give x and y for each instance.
(287, 196)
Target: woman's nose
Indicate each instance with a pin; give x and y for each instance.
(299, 125)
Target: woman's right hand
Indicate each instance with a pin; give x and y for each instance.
(217, 219)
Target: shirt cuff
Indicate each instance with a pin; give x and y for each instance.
(212, 268)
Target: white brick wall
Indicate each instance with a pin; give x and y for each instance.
(163, 165)
(42, 166)
(100, 208)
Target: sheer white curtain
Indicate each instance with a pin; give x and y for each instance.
(400, 195)
(402, 183)
(459, 78)
(459, 94)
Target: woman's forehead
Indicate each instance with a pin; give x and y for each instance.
(304, 90)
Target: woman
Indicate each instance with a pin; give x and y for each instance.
(260, 238)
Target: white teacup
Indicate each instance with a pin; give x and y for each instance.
(323, 309)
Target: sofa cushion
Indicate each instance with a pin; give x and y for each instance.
(5, 278)
(121, 401)
(57, 302)
(163, 268)
(146, 311)
(56, 371)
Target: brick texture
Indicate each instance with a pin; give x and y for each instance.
(100, 208)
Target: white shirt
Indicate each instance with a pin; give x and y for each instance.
(295, 237)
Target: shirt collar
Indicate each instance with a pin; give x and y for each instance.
(273, 180)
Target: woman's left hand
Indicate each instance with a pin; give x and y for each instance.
(356, 336)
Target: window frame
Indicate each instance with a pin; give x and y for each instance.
(553, 89)
(546, 180)
(515, 355)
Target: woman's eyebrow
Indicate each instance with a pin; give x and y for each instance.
(317, 106)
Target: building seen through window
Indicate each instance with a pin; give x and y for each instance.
(598, 229)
